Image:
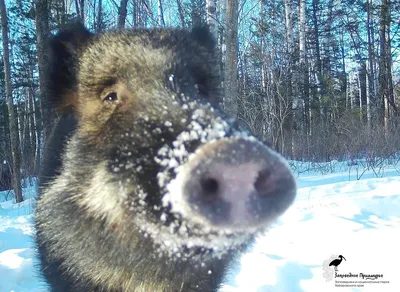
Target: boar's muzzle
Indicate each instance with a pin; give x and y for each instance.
(234, 183)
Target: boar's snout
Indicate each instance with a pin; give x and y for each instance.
(237, 183)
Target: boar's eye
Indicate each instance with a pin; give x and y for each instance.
(110, 97)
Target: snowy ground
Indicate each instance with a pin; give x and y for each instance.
(334, 214)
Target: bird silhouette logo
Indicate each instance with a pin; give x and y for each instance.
(337, 262)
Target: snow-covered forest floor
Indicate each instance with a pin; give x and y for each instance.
(339, 210)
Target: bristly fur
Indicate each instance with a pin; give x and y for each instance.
(86, 237)
(101, 221)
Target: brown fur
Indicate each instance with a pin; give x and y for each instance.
(99, 215)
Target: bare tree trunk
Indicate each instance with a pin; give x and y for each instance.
(147, 13)
(262, 49)
(288, 135)
(288, 25)
(382, 64)
(99, 17)
(37, 136)
(80, 9)
(33, 132)
(94, 16)
(385, 70)
(343, 86)
(212, 20)
(160, 14)
(318, 63)
(196, 9)
(63, 12)
(302, 31)
(231, 42)
(122, 11)
(362, 81)
(77, 8)
(371, 97)
(42, 29)
(303, 66)
(181, 13)
(221, 41)
(135, 13)
(14, 133)
(244, 76)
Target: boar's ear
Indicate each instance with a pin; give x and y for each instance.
(64, 49)
(203, 36)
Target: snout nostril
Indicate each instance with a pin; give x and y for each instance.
(210, 185)
(262, 182)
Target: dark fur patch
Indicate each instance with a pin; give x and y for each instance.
(134, 105)
(63, 65)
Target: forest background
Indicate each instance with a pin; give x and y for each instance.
(318, 79)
